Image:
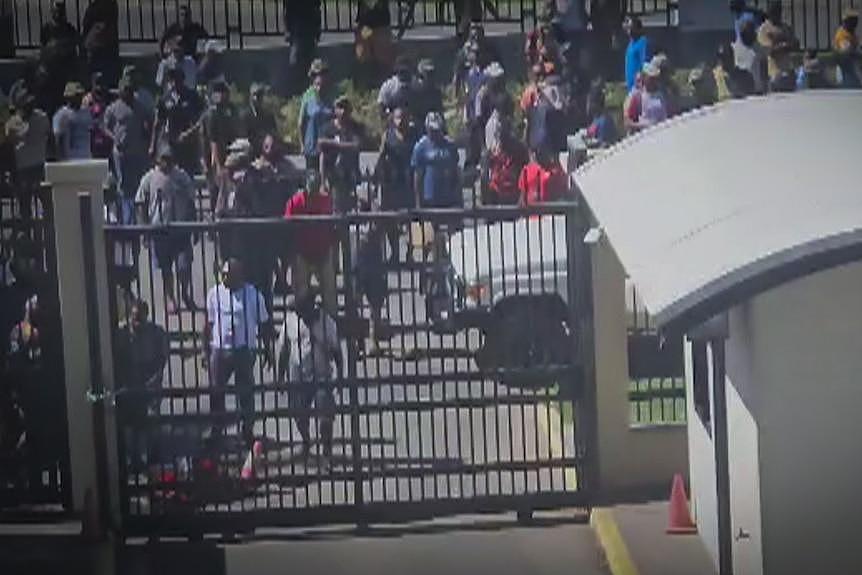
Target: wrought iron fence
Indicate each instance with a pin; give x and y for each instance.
(456, 389)
(144, 21)
(33, 436)
(813, 21)
(657, 382)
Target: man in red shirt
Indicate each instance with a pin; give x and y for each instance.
(315, 243)
(542, 180)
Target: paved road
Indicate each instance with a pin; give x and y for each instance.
(492, 544)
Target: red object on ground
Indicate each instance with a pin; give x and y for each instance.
(679, 518)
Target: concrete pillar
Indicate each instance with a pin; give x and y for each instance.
(632, 460)
(68, 180)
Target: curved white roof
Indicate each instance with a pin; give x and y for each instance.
(718, 204)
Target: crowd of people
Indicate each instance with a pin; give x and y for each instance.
(163, 137)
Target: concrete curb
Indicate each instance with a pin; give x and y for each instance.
(616, 552)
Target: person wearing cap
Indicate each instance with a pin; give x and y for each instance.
(166, 195)
(339, 145)
(73, 126)
(315, 243)
(436, 174)
(426, 95)
(177, 116)
(177, 58)
(28, 132)
(845, 44)
(101, 38)
(374, 36)
(396, 90)
(315, 111)
(58, 56)
(185, 31)
(128, 124)
(646, 107)
(237, 327)
(750, 56)
(257, 119)
(779, 41)
(212, 68)
(492, 94)
(638, 51)
(241, 197)
(394, 173)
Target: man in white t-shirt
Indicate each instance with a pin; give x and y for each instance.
(307, 348)
(237, 322)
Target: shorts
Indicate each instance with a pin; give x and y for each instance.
(170, 248)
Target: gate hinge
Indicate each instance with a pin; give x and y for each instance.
(105, 396)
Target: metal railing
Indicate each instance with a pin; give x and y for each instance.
(657, 382)
(813, 21)
(144, 21)
(34, 456)
(443, 401)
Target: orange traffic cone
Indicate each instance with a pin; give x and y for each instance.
(679, 520)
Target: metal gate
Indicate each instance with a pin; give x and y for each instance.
(34, 456)
(472, 400)
(144, 21)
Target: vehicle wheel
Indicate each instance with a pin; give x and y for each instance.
(527, 335)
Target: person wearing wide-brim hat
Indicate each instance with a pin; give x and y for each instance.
(73, 125)
(315, 110)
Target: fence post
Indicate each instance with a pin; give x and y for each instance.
(352, 317)
(68, 179)
(581, 296)
(97, 384)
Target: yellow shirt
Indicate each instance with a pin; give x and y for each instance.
(844, 41)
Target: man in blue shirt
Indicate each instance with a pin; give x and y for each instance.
(435, 166)
(637, 52)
